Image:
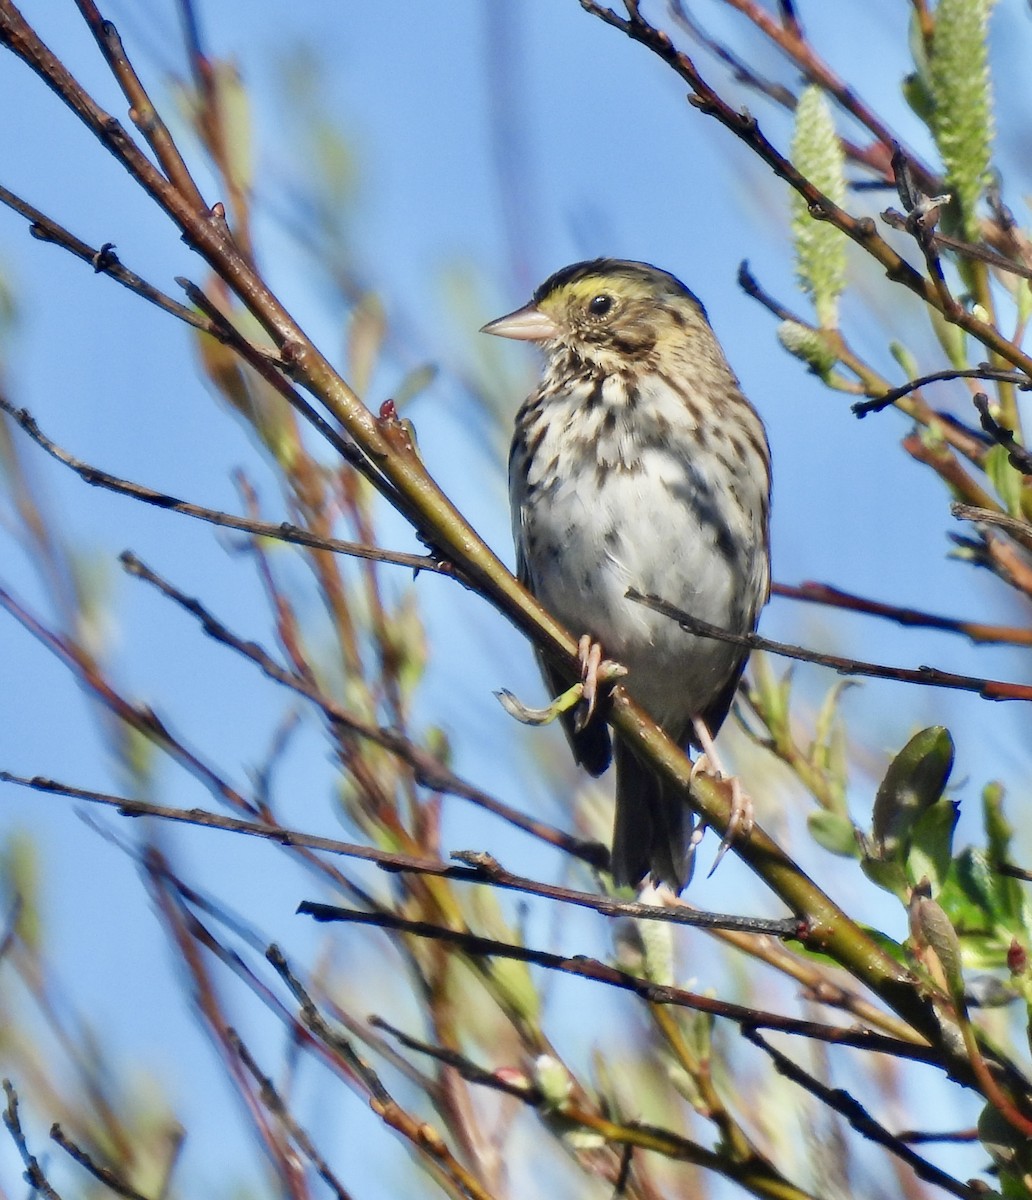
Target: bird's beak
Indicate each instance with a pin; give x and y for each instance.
(527, 324)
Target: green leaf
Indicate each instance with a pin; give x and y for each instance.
(886, 874)
(931, 845)
(962, 105)
(913, 783)
(820, 247)
(834, 833)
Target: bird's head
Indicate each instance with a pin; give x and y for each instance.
(609, 312)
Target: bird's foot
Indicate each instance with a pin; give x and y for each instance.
(595, 671)
(540, 716)
(740, 821)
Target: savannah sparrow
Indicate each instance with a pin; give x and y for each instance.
(638, 463)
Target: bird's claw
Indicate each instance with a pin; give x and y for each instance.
(595, 670)
(740, 819)
(740, 822)
(539, 716)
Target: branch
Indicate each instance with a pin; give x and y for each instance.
(982, 371)
(276, 1105)
(104, 261)
(476, 867)
(843, 1103)
(428, 770)
(861, 230)
(108, 1177)
(988, 689)
(33, 1176)
(1020, 458)
(832, 597)
(398, 471)
(422, 1136)
(598, 972)
(754, 1173)
(283, 531)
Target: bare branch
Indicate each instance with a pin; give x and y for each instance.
(988, 689)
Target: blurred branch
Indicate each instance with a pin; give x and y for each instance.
(275, 1104)
(429, 771)
(111, 1179)
(843, 1103)
(755, 1173)
(421, 1136)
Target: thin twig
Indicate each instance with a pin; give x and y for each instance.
(104, 261)
(429, 770)
(276, 1105)
(475, 867)
(592, 969)
(283, 531)
(421, 1135)
(33, 1171)
(861, 230)
(111, 1179)
(1020, 458)
(982, 371)
(832, 597)
(988, 689)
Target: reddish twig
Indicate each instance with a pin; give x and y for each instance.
(832, 597)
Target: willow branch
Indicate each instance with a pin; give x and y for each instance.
(861, 230)
(475, 867)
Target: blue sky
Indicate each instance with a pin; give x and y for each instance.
(455, 216)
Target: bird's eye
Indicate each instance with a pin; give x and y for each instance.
(600, 305)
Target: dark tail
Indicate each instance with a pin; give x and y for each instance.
(652, 828)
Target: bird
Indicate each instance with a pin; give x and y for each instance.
(638, 463)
